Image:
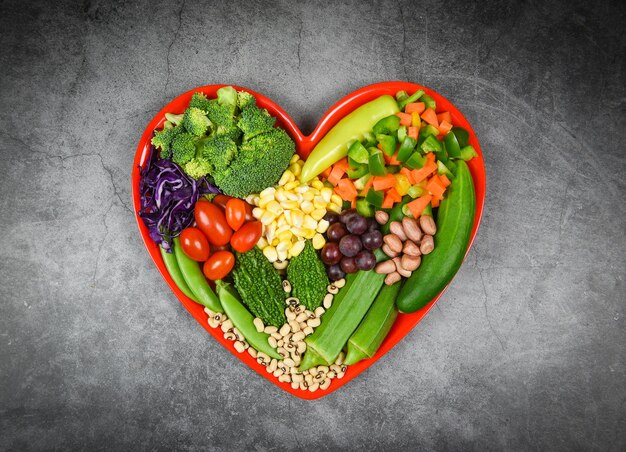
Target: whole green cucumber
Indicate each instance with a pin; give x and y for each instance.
(193, 276)
(172, 267)
(373, 329)
(454, 227)
(243, 320)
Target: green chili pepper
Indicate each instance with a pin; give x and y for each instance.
(462, 135)
(375, 197)
(416, 160)
(377, 163)
(452, 145)
(195, 279)
(172, 267)
(358, 152)
(419, 94)
(364, 208)
(406, 148)
(387, 143)
(333, 147)
(387, 125)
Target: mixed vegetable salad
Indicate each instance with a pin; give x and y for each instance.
(306, 264)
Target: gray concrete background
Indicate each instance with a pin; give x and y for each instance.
(524, 352)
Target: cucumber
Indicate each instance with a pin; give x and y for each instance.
(343, 317)
(243, 320)
(374, 328)
(454, 227)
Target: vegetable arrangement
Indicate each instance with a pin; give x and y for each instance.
(305, 265)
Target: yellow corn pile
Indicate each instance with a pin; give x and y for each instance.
(293, 212)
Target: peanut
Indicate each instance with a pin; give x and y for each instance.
(410, 263)
(394, 242)
(392, 278)
(381, 216)
(411, 248)
(388, 251)
(427, 245)
(396, 228)
(428, 225)
(400, 269)
(411, 229)
(384, 268)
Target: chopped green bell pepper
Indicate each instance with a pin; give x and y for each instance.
(462, 135)
(452, 145)
(387, 125)
(375, 197)
(365, 208)
(377, 163)
(359, 184)
(429, 102)
(402, 133)
(413, 98)
(360, 171)
(387, 143)
(358, 152)
(416, 160)
(468, 153)
(369, 139)
(406, 148)
(443, 169)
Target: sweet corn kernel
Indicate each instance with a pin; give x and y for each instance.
(318, 214)
(283, 255)
(297, 218)
(322, 226)
(303, 188)
(270, 253)
(292, 196)
(286, 178)
(309, 222)
(326, 194)
(291, 185)
(309, 233)
(295, 169)
(294, 158)
(336, 199)
(262, 243)
(280, 195)
(283, 247)
(268, 192)
(288, 205)
(318, 241)
(333, 207)
(318, 184)
(285, 236)
(308, 196)
(274, 207)
(275, 241)
(267, 218)
(307, 207)
(297, 248)
(264, 201)
(257, 213)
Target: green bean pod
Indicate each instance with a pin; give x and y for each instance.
(172, 267)
(243, 320)
(375, 326)
(193, 276)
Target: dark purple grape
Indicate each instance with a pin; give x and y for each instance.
(331, 254)
(350, 245)
(372, 240)
(331, 217)
(346, 215)
(357, 225)
(365, 260)
(336, 231)
(335, 272)
(349, 265)
(372, 225)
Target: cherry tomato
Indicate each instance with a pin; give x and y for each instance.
(194, 244)
(215, 248)
(249, 216)
(245, 238)
(219, 265)
(211, 220)
(235, 213)
(221, 200)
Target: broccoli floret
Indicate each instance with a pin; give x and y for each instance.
(174, 119)
(183, 148)
(227, 95)
(254, 121)
(307, 275)
(221, 115)
(259, 163)
(219, 151)
(162, 140)
(199, 100)
(231, 131)
(195, 121)
(245, 99)
(197, 168)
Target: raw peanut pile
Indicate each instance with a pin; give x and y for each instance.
(288, 341)
(405, 244)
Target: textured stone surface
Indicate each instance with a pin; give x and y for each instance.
(526, 349)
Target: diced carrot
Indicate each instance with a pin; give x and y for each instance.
(435, 202)
(393, 160)
(418, 205)
(422, 173)
(444, 127)
(346, 186)
(430, 117)
(435, 187)
(353, 203)
(368, 184)
(405, 118)
(415, 107)
(326, 172)
(343, 164)
(387, 202)
(384, 182)
(394, 194)
(431, 157)
(445, 116)
(444, 179)
(335, 175)
(413, 132)
(408, 174)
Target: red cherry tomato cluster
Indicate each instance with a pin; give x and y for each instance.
(221, 224)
